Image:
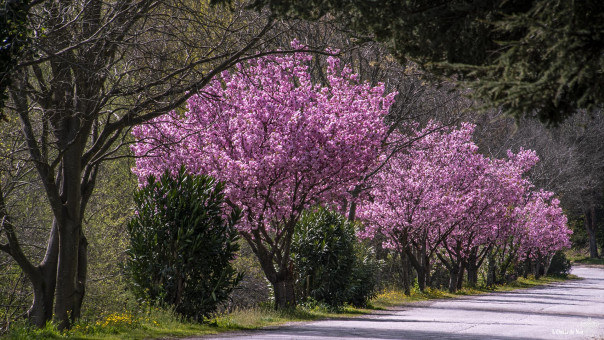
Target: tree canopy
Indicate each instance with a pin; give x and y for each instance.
(279, 142)
(529, 57)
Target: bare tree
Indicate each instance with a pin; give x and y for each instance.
(101, 67)
(571, 158)
(583, 191)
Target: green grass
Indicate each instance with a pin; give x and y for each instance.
(588, 260)
(154, 323)
(394, 297)
(158, 323)
(582, 256)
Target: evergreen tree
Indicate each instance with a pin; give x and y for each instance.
(529, 57)
(13, 38)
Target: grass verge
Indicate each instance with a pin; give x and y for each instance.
(391, 298)
(588, 260)
(157, 323)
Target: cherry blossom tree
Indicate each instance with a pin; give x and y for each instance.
(541, 229)
(441, 197)
(279, 142)
(420, 196)
(499, 187)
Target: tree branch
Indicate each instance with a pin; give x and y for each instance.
(13, 248)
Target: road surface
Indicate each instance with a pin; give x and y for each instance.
(568, 310)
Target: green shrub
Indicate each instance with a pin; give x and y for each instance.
(560, 265)
(182, 244)
(324, 257)
(439, 275)
(331, 266)
(364, 284)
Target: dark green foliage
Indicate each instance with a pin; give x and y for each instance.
(182, 245)
(579, 238)
(323, 254)
(439, 275)
(560, 265)
(555, 67)
(363, 286)
(527, 56)
(331, 266)
(425, 31)
(13, 38)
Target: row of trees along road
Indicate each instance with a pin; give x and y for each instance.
(91, 70)
(571, 160)
(442, 198)
(535, 58)
(282, 144)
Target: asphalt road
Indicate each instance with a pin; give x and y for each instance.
(568, 310)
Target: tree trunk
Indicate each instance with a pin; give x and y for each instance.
(40, 311)
(80, 288)
(527, 266)
(506, 262)
(423, 270)
(353, 211)
(492, 269)
(421, 263)
(421, 278)
(462, 269)
(353, 204)
(405, 277)
(69, 244)
(472, 265)
(428, 278)
(283, 288)
(548, 262)
(453, 268)
(37, 311)
(472, 269)
(427, 268)
(42, 277)
(454, 277)
(590, 226)
(44, 285)
(279, 273)
(69, 221)
(537, 269)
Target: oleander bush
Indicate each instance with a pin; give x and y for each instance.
(332, 267)
(182, 244)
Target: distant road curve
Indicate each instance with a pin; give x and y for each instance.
(567, 310)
